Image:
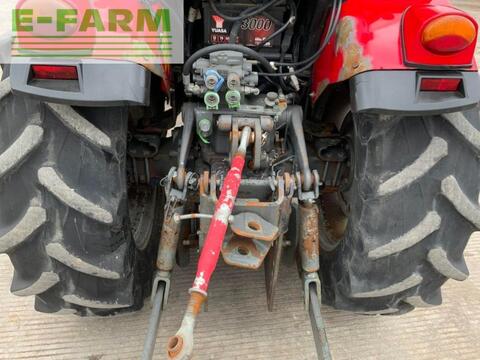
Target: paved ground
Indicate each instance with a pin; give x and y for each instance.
(237, 325)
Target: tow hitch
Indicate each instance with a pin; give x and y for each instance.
(246, 232)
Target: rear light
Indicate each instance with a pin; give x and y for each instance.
(54, 72)
(440, 85)
(436, 36)
(448, 34)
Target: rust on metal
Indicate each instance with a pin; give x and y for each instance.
(196, 301)
(180, 346)
(247, 234)
(253, 226)
(174, 346)
(348, 44)
(238, 242)
(309, 237)
(288, 180)
(245, 253)
(203, 182)
(168, 242)
(256, 203)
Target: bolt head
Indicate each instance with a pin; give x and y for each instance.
(204, 125)
(272, 96)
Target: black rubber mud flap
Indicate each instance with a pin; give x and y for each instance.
(413, 206)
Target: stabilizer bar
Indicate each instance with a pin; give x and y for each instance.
(151, 337)
(318, 325)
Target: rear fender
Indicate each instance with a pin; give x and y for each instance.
(100, 83)
(399, 92)
(368, 37)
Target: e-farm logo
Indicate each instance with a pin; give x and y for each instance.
(118, 20)
(143, 31)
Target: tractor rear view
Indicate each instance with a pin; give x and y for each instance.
(338, 138)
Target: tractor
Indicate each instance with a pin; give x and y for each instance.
(337, 138)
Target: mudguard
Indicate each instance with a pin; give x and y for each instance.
(369, 38)
(398, 92)
(100, 83)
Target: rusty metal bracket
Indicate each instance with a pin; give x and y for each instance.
(271, 217)
(253, 226)
(245, 253)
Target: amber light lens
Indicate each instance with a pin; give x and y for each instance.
(448, 34)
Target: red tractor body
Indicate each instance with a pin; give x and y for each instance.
(387, 35)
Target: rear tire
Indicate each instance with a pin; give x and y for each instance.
(413, 205)
(64, 218)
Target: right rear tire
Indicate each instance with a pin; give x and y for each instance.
(411, 210)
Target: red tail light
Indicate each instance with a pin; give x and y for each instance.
(54, 72)
(448, 34)
(438, 36)
(440, 85)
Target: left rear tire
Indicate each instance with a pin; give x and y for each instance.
(64, 207)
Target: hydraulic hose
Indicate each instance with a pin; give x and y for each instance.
(234, 33)
(187, 67)
(307, 63)
(291, 22)
(246, 14)
(236, 28)
(284, 27)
